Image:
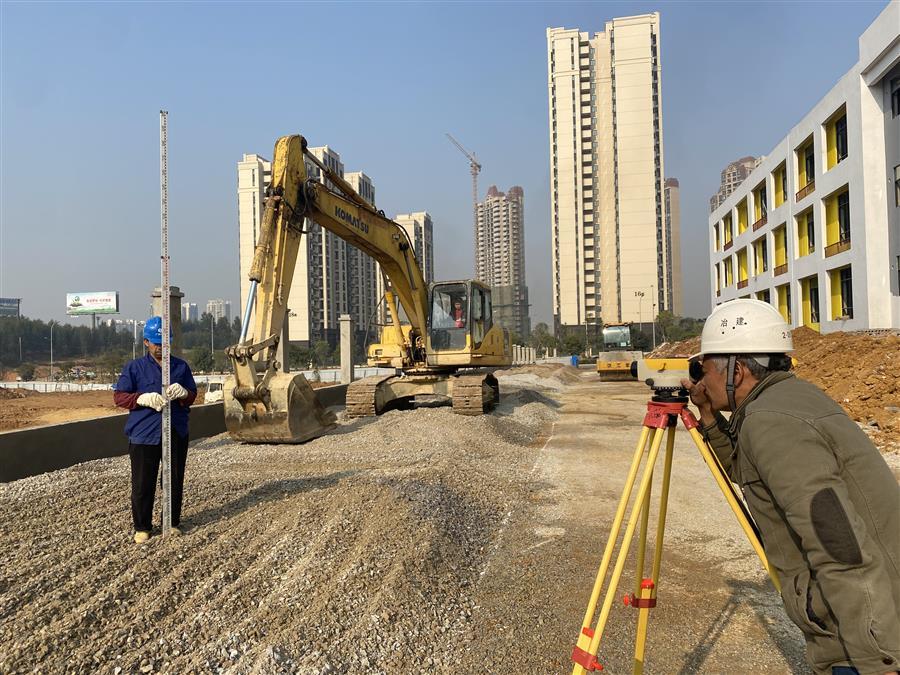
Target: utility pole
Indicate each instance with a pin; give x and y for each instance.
(474, 168)
(653, 316)
(51, 351)
(165, 292)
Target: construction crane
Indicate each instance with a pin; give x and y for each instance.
(474, 167)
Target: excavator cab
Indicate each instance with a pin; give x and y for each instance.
(460, 315)
(461, 327)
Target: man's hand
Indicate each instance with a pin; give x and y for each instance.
(700, 398)
(175, 391)
(152, 399)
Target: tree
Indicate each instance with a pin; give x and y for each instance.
(573, 343)
(541, 338)
(203, 359)
(26, 371)
(321, 353)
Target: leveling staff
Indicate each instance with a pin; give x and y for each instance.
(824, 499)
(140, 390)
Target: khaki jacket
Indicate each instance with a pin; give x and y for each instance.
(828, 508)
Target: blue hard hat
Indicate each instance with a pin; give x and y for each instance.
(153, 330)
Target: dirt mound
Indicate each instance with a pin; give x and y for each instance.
(545, 375)
(9, 394)
(858, 370)
(674, 350)
(357, 552)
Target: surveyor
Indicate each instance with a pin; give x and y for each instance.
(825, 501)
(139, 389)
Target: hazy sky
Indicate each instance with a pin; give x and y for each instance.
(82, 85)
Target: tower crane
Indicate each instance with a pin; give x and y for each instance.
(474, 168)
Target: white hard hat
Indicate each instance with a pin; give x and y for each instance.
(745, 327)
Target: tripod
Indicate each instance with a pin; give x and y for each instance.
(664, 409)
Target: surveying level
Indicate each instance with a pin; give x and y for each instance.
(667, 404)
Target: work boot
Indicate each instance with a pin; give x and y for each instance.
(141, 537)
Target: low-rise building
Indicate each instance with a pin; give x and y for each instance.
(815, 229)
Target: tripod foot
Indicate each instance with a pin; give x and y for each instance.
(631, 600)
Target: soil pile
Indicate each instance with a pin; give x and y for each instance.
(676, 350)
(858, 370)
(357, 552)
(542, 375)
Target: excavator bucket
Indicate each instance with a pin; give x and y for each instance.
(616, 366)
(291, 414)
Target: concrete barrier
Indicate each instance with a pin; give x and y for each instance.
(28, 452)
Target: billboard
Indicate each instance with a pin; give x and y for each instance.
(10, 307)
(103, 302)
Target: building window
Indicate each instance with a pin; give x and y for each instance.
(895, 97)
(843, 202)
(809, 162)
(810, 232)
(897, 185)
(814, 301)
(846, 293)
(840, 134)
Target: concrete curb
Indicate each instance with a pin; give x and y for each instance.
(29, 452)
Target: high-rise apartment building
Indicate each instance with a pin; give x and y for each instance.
(420, 229)
(190, 311)
(606, 167)
(673, 235)
(500, 256)
(219, 309)
(331, 277)
(732, 176)
(815, 229)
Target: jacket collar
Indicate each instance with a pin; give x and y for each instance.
(738, 417)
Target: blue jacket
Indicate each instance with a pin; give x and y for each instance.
(142, 376)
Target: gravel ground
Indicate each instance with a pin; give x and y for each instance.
(416, 542)
(357, 552)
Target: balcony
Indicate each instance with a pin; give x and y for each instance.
(840, 247)
(779, 269)
(728, 244)
(742, 283)
(760, 223)
(806, 190)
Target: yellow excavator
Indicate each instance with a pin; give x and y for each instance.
(445, 348)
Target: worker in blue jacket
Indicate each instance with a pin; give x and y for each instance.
(140, 391)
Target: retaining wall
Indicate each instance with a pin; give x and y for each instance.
(28, 452)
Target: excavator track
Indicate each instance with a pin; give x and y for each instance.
(361, 396)
(475, 394)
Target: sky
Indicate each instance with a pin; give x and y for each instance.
(81, 86)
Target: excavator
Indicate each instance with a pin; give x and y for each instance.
(446, 348)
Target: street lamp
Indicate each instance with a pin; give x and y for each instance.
(640, 296)
(653, 316)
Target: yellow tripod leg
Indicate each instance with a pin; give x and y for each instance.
(585, 635)
(623, 551)
(734, 501)
(645, 596)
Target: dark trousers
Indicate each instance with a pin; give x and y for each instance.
(145, 461)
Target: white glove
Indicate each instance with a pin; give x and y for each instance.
(152, 399)
(175, 390)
